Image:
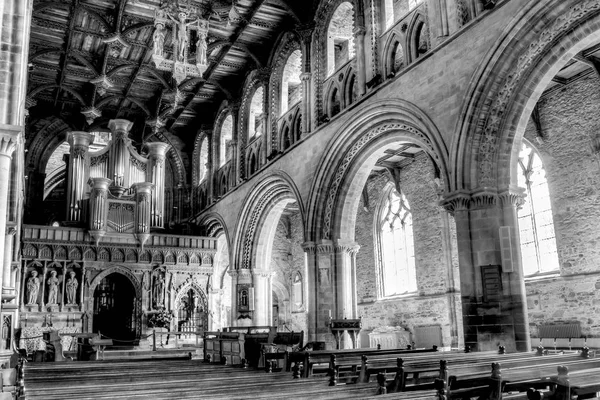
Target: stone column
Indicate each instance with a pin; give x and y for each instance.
(345, 278)
(361, 69)
(345, 284)
(78, 172)
(262, 295)
(312, 286)
(306, 78)
(326, 306)
(237, 157)
(498, 316)
(9, 137)
(511, 199)
(155, 173)
(8, 283)
(305, 33)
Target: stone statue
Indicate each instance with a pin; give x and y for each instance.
(52, 288)
(72, 285)
(201, 47)
(159, 40)
(158, 292)
(33, 287)
(181, 38)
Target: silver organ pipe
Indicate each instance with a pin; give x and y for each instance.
(78, 171)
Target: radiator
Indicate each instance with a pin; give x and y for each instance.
(427, 336)
(560, 331)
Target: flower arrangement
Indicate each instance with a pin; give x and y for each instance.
(160, 319)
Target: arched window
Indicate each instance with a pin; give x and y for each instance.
(536, 225)
(256, 115)
(203, 159)
(334, 103)
(396, 246)
(291, 89)
(225, 140)
(340, 40)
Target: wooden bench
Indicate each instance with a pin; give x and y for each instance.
(320, 360)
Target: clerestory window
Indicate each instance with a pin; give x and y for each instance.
(536, 225)
(396, 246)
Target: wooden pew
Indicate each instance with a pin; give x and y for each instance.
(346, 359)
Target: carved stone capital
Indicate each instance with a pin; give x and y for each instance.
(484, 198)
(309, 247)
(90, 114)
(102, 83)
(305, 31)
(262, 273)
(9, 139)
(457, 201)
(512, 197)
(349, 247)
(326, 246)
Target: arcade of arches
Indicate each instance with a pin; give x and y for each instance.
(430, 167)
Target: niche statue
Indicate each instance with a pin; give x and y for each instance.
(158, 292)
(52, 288)
(33, 287)
(72, 285)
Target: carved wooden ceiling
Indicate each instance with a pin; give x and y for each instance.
(77, 42)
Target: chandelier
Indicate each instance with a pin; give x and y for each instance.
(183, 19)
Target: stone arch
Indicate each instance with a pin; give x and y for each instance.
(286, 137)
(417, 36)
(542, 39)
(349, 86)
(184, 287)
(287, 44)
(326, 9)
(135, 283)
(197, 154)
(263, 206)
(224, 112)
(333, 104)
(253, 83)
(393, 44)
(344, 169)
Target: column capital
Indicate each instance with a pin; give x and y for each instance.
(485, 197)
(513, 196)
(346, 246)
(309, 247)
(9, 138)
(262, 273)
(325, 246)
(305, 31)
(456, 201)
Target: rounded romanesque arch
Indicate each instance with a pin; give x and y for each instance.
(327, 10)
(533, 48)
(344, 169)
(262, 207)
(288, 44)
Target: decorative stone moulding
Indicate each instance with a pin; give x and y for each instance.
(90, 114)
(116, 44)
(102, 83)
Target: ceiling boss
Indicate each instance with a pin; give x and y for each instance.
(188, 27)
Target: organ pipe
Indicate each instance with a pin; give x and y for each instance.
(79, 143)
(156, 174)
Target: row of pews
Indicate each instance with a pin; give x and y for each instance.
(415, 374)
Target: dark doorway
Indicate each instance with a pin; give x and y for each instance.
(114, 309)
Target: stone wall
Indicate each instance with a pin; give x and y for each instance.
(569, 118)
(287, 260)
(431, 305)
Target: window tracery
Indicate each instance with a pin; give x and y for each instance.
(396, 246)
(536, 224)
